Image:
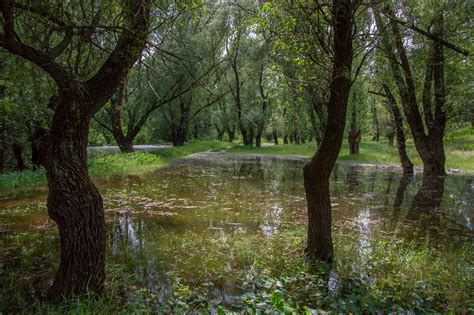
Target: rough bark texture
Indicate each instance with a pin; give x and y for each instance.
(74, 203)
(317, 171)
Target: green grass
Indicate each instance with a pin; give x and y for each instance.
(459, 148)
(102, 164)
(404, 276)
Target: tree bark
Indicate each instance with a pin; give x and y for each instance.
(317, 171)
(75, 204)
(405, 161)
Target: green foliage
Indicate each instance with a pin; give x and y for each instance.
(127, 163)
(27, 178)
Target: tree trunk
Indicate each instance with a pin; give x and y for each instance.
(75, 204)
(258, 140)
(429, 146)
(275, 137)
(317, 171)
(125, 143)
(18, 154)
(376, 136)
(354, 133)
(39, 148)
(390, 136)
(407, 165)
(285, 139)
(231, 134)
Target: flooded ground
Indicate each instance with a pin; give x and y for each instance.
(183, 220)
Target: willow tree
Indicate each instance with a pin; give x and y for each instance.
(61, 37)
(426, 115)
(318, 169)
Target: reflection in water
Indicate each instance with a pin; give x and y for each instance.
(167, 218)
(425, 207)
(353, 177)
(405, 180)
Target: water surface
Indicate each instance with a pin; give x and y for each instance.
(208, 199)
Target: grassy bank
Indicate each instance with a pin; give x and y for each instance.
(459, 148)
(102, 164)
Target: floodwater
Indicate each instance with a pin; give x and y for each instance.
(207, 199)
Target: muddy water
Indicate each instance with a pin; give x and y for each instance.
(208, 198)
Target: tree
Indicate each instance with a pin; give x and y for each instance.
(317, 171)
(74, 202)
(428, 121)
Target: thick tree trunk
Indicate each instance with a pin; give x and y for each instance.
(75, 204)
(285, 139)
(405, 161)
(317, 171)
(18, 154)
(354, 140)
